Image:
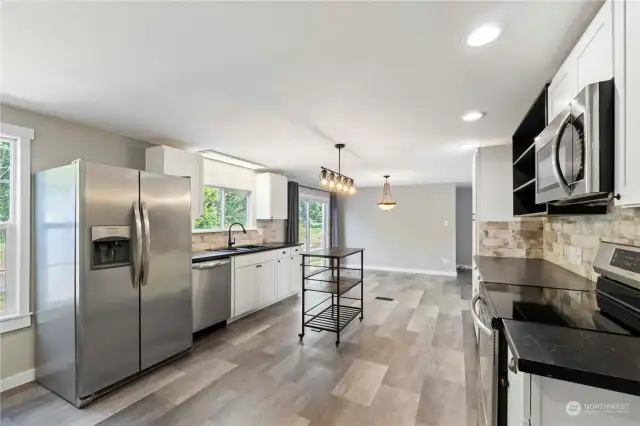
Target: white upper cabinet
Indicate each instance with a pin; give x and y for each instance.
(562, 90)
(590, 61)
(271, 196)
(492, 184)
(626, 41)
(171, 161)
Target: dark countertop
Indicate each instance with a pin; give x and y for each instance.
(529, 272)
(204, 256)
(333, 252)
(606, 361)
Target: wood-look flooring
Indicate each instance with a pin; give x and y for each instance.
(410, 362)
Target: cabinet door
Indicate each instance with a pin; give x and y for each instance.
(627, 98)
(563, 89)
(284, 284)
(279, 197)
(594, 56)
(518, 396)
(266, 279)
(296, 273)
(246, 293)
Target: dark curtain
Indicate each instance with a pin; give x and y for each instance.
(293, 201)
(333, 220)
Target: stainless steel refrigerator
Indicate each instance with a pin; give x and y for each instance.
(112, 276)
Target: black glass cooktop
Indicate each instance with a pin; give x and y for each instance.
(568, 308)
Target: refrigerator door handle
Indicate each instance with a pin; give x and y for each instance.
(147, 244)
(137, 247)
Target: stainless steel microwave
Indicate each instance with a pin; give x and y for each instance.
(574, 156)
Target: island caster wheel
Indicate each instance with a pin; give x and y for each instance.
(301, 336)
(337, 344)
(361, 318)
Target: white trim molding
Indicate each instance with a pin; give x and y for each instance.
(18, 233)
(17, 380)
(406, 270)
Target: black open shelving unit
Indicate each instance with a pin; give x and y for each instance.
(335, 280)
(524, 166)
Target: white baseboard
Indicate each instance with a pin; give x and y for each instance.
(410, 271)
(17, 380)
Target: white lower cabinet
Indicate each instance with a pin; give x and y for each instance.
(245, 290)
(518, 396)
(261, 279)
(295, 275)
(266, 279)
(542, 401)
(284, 282)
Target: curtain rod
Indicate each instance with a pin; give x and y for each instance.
(315, 189)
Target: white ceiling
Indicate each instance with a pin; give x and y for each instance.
(280, 83)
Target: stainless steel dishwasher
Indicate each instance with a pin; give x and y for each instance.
(211, 289)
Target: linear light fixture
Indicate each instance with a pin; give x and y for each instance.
(336, 181)
(230, 159)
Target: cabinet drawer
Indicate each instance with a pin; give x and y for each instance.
(284, 252)
(252, 259)
(296, 250)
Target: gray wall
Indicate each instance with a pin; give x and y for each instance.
(464, 230)
(411, 236)
(58, 142)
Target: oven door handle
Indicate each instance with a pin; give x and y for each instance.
(476, 318)
(555, 155)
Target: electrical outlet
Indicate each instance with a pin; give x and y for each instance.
(446, 223)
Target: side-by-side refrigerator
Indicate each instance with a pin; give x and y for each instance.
(112, 276)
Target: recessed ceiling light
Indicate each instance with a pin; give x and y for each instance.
(483, 35)
(472, 116)
(229, 159)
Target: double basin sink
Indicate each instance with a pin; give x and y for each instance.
(242, 249)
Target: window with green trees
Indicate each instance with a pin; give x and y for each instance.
(5, 212)
(222, 207)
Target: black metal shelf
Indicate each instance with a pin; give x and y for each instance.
(524, 185)
(335, 280)
(327, 319)
(526, 153)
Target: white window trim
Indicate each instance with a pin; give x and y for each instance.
(224, 224)
(20, 316)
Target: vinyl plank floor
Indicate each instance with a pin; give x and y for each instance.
(412, 361)
(361, 382)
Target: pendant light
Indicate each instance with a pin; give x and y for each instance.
(336, 181)
(387, 202)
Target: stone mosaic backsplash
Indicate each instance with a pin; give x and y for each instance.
(273, 230)
(572, 241)
(567, 241)
(217, 239)
(269, 231)
(515, 238)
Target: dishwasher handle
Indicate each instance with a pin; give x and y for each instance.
(211, 264)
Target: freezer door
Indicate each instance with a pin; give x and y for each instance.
(108, 297)
(165, 304)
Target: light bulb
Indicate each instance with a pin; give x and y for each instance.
(332, 180)
(339, 184)
(323, 182)
(352, 190)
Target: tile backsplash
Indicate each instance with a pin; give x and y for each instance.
(273, 230)
(269, 231)
(514, 238)
(217, 239)
(572, 241)
(568, 241)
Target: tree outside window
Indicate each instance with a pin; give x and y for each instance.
(222, 207)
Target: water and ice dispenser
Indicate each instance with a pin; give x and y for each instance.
(110, 246)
